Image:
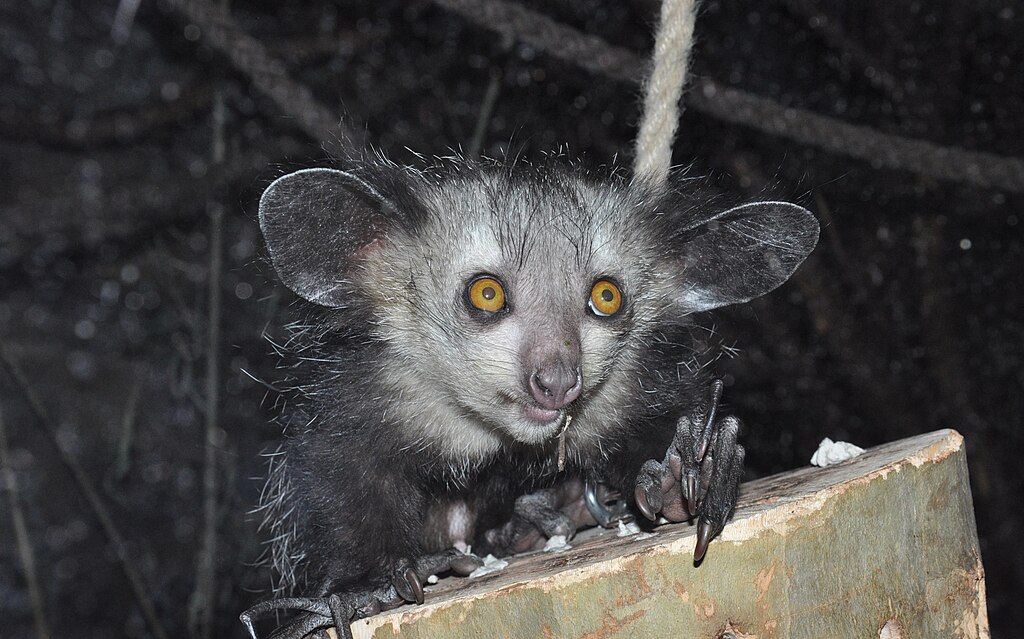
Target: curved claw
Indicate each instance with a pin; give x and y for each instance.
(690, 493)
(417, 586)
(652, 483)
(704, 535)
(640, 496)
(408, 585)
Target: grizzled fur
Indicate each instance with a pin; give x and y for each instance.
(409, 434)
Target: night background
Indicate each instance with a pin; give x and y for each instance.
(136, 138)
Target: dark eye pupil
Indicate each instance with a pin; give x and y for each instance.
(488, 293)
(607, 295)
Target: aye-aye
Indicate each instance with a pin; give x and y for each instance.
(483, 342)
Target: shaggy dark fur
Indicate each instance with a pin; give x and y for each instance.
(411, 430)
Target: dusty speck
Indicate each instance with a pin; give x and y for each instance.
(892, 629)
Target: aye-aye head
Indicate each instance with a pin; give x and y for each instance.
(508, 298)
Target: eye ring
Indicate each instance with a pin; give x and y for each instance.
(605, 298)
(486, 293)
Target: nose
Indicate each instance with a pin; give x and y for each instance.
(556, 385)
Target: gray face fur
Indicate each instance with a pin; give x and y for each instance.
(467, 376)
(463, 379)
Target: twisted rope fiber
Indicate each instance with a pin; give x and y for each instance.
(664, 87)
(986, 170)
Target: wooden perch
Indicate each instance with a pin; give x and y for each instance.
(883, 545)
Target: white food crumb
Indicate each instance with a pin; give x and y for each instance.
(830, 452)
(557, 543)
(432, 579)
(491, 564)
(625, 530)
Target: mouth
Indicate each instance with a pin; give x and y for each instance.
(540, 415)
(527, 422)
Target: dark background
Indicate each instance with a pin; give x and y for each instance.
(907, 318)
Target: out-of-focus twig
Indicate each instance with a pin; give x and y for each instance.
(124, 444)
(21, 537)
(123, 20)
(828, 224)
(204, 599)
(76, 130)
(834, 36)
(561, 41)
(486, 110)
(268, 74)
(91, 496)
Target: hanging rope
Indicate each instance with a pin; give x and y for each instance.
(663, 88)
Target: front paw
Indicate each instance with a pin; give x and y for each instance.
(537, 516)
(403, 582)
(315, 614)
(699, 477)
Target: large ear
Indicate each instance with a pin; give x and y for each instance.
(317, 224)
(743, 253)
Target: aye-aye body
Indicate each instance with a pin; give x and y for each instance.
(480, 342)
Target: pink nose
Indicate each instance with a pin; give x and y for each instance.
(554, 387)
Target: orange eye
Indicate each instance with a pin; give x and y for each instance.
(605, 299)
(487, 294)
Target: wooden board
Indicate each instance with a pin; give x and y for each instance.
(883, 545)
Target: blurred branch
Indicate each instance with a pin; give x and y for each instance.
(980, 169)
(267, 73)
(834, 37)
(486, 110)
(99, 129)
(563, 42)
(124, 442)
(77, 130)
(977, 168)
(143, 197)
(206, 573)
(91, 496)
(21, 536)
(123, 20)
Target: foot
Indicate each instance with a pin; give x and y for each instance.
(541, 515)
(338, 610)
(700, 475)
